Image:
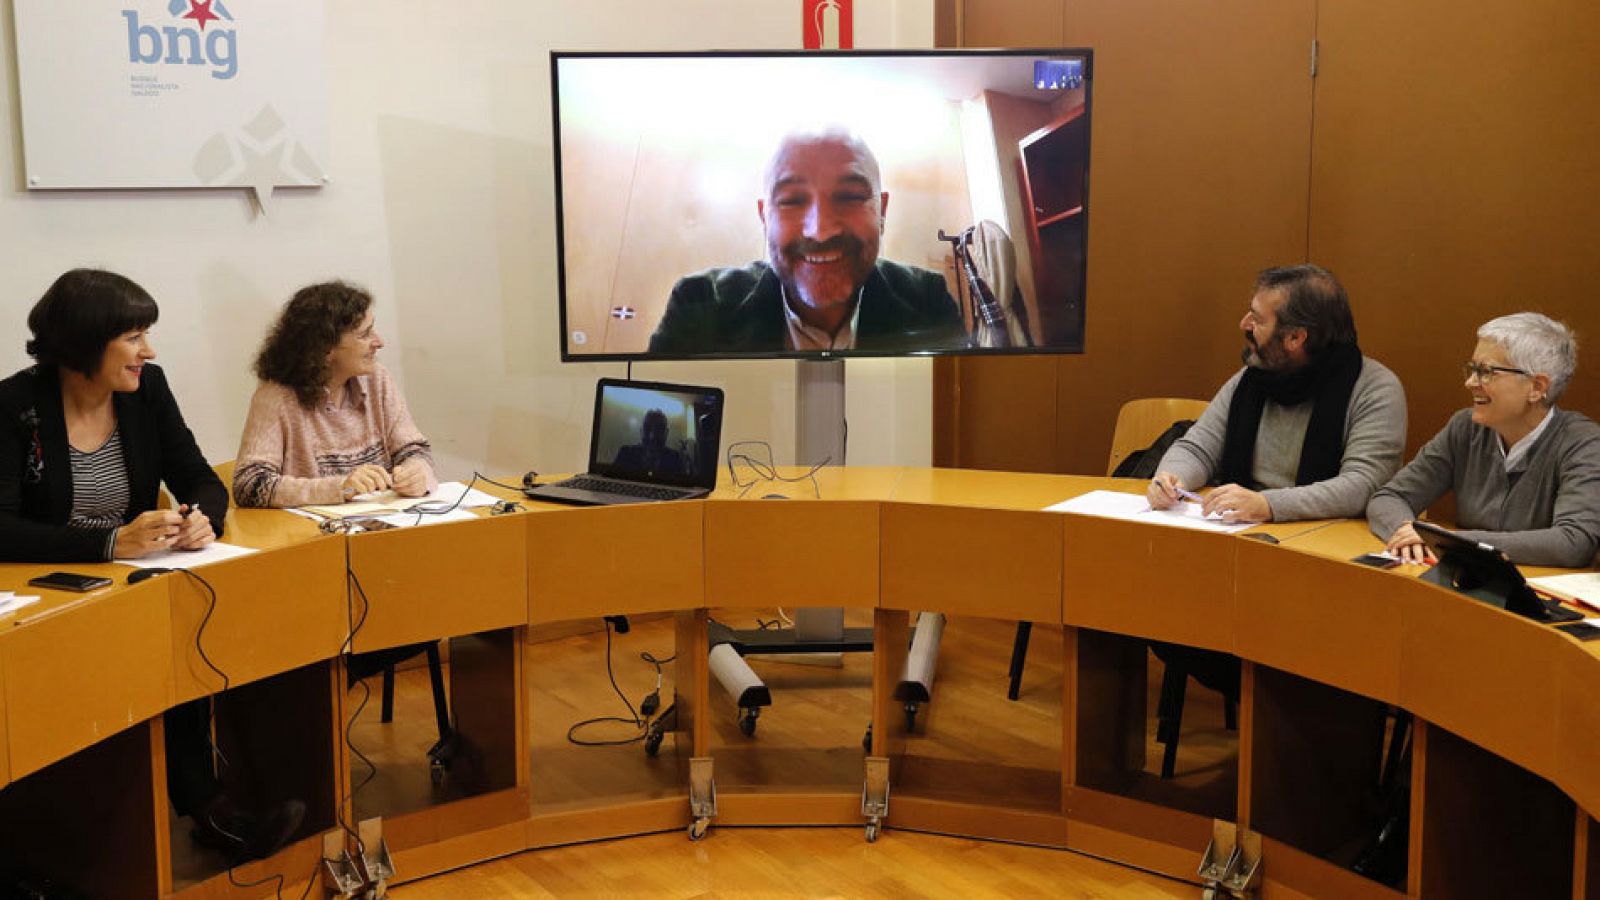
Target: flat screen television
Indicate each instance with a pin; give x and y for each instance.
(724, 205)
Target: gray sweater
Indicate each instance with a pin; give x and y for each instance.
(1545, 513)
(1374, 445)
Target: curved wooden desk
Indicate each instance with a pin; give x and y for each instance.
(1503, 704)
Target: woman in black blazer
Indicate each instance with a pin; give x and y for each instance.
(87, 438)
(94, 385)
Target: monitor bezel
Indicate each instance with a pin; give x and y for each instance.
(645, 355)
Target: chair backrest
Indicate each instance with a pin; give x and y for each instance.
(224, 471)
(1142, 421)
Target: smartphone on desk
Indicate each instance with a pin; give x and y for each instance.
(1583, 631)
(69, 581)
(1376, 560)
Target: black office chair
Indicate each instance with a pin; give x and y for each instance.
(361, 666)
(1215, 670)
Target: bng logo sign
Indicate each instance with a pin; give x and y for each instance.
(197, 36)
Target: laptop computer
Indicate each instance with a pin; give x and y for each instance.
(650, 441)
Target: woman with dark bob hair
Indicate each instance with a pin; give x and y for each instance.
(327, 422)
(87, 437)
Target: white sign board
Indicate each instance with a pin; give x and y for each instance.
(172, 93)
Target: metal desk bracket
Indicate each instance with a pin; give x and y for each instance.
(375, 859)
(702, 796)
(347, 877)
(341, 877)
(1232, 864)
(875, 795)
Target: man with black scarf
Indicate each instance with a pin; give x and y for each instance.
(1308, 429)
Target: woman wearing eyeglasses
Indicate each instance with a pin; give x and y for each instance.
(1526, 475)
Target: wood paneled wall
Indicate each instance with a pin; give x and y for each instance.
(1456, 177)
(1440, 163)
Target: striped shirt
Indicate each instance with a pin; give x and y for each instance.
(99, 488)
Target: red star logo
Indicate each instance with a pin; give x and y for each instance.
(201, 13)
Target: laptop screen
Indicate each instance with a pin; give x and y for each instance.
(659, 433)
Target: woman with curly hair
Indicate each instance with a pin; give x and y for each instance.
(327, 422)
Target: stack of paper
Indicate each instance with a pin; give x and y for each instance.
(1578, 587)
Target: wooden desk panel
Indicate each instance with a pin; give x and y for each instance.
(268, 529)
(78, 677)
(995, 490)
(1170, 584)
(1340, 539)
(1483, 673)
(436, 581)
(791, 554)
(972, 562)
(301, 586)
(1578, 727)
(831, 483)
(592, 561)
(1335, 622)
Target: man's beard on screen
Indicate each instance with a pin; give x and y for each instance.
(824, 285)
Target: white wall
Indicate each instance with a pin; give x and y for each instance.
(442, 205)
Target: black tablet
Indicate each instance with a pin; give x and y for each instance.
(1484, 572)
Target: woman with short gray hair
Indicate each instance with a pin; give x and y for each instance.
(1526, 475)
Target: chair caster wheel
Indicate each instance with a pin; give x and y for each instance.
(697, 829)
(872, 832)
(747, 720)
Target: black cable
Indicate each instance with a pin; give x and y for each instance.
(345, 649)
(439, 507)
(634, 718)
(765, 470)
(199, 646)
(499, 484)
(211, 607)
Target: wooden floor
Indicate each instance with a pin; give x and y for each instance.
(795, 862)
(970, 743)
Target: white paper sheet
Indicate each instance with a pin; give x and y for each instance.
(10, 603)
(1583, 587)
(380, 502)
(1135, 508)
(214, 552)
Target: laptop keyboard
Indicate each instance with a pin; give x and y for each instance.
(642, 491)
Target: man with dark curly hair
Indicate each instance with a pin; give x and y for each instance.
(327, 422)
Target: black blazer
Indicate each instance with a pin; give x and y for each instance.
(733, 311)
(36, 474)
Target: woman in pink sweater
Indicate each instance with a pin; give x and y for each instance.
(327, 422)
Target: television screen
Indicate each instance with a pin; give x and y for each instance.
(821, 204)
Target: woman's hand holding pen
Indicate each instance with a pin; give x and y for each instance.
(195, 530)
